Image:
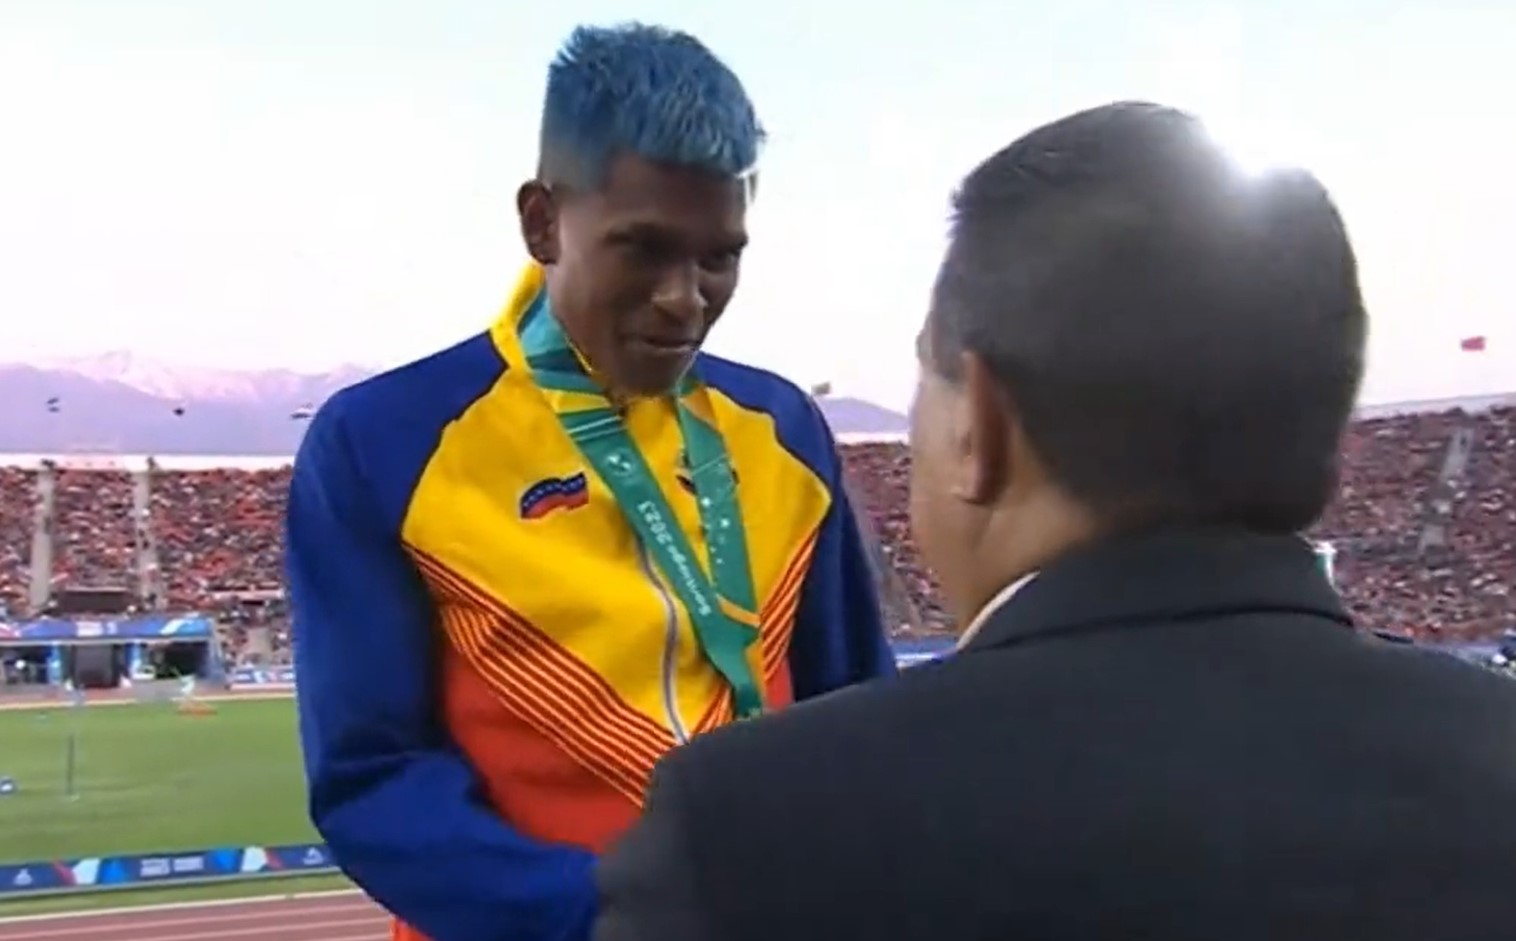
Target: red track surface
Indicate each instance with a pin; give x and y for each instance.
(345, 916)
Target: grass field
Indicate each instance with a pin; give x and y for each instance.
(150, 779)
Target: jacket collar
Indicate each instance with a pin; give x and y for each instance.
(1164, 575)
(988, 611)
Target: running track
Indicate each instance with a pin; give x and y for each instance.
(326, 916)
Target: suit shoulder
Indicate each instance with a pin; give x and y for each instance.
(1437, 665)
(793, 779)
(854, 719)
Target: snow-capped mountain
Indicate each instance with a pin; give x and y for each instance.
(189, 383)
(125, 404)
(122, 403)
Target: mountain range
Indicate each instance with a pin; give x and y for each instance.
(122, 403)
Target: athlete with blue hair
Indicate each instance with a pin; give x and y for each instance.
(524, 568)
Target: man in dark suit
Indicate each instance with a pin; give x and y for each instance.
(1160, 723)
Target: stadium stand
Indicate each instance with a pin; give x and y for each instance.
(1424, 522)
(1425, 528)
(18, 498)
(217, 531)
(93, 532)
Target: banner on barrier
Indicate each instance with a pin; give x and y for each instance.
(193, 628)
(907, 653)
(262, 676)
(108, 872)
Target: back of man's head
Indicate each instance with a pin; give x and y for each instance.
(1182, 342)
(647, 91)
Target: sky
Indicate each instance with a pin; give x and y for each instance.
(303, 183)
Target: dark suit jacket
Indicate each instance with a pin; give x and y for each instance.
(1175, 737)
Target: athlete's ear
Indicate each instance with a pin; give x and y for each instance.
(538, 211)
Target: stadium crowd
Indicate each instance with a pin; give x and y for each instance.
(1424, 525)
(94, 533)
(17, 523)
(217, 531)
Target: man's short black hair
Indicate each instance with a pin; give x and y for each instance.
(1183, 342)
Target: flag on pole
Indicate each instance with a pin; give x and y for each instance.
(1472, 344)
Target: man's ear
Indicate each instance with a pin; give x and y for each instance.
(538, 212)
(984, 430)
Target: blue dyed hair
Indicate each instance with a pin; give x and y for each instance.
(645, 90)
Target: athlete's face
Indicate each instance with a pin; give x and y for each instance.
(639, 269)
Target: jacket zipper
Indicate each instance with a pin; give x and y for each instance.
(670, 647)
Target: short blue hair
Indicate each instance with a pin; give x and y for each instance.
(645, 90)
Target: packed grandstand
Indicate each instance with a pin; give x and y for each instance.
(1424, 529)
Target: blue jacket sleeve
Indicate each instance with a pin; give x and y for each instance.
(839, 634)
(396, 802)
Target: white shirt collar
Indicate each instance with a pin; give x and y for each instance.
(994, 604)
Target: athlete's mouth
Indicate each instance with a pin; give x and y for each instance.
(664, 346)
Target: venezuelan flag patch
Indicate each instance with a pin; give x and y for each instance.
(554, 493)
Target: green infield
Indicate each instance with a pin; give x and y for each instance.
(147, 778)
